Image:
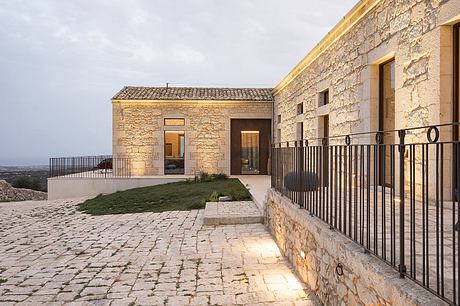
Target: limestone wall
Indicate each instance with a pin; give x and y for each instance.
(418, 34)
(138, 132)
(316, 251)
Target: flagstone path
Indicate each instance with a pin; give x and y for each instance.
(52, 254)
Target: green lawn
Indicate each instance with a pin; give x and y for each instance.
(173, 196)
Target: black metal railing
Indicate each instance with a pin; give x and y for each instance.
(101, 166)
(395, 193)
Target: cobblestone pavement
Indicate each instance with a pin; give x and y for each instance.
(237, 212)
(52, 254)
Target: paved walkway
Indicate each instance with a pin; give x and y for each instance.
(51, 254)
(236, 212)
(258, 186)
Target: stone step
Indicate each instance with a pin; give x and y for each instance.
(238, 212)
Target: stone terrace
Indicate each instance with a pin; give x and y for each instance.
(52, 254)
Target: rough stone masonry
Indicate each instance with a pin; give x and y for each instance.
(336, 268)
(138, 132)
(9, 193)
(414, 33)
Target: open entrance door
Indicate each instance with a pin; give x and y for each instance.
(174, 152)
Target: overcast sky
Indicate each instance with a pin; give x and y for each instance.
(61, 61)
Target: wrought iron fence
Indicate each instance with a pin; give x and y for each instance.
(396, 193)
(101, 166)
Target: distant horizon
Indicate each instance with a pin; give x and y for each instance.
(30, 163)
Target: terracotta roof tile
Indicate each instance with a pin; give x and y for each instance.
(194, 93)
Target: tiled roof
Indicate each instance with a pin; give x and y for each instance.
(194, 93)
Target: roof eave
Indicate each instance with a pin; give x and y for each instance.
(350, 19)
(114, 100)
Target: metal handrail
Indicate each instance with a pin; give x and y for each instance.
(100, 166)
(377, 193)
(432, 127)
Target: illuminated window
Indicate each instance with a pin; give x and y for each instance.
(174, 154)
(250, 145)
(174, 121)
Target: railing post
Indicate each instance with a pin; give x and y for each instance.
(402, 149)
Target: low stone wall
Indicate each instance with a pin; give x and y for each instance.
(75, 187)
(9, 193)
(315, 251)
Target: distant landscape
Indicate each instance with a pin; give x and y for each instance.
(30, 177)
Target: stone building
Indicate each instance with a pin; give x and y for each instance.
(392, 56)
(388, 65)
(187, 130)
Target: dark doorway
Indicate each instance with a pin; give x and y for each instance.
(386, 119)
(250, 144)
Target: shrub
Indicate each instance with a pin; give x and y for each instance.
(214, 197)
(27, 182)
(219, 176)
(205, 177)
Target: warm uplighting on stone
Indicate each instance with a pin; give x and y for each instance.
(302, 254)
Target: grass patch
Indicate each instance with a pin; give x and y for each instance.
(173, 196)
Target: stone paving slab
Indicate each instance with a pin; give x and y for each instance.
(51, 254)
(238, 212)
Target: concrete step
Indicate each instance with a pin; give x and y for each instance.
(238, 212)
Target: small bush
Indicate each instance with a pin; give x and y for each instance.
(219, 176)
(205, 177)
(214, 197)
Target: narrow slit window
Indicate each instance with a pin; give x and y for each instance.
(299, 108)
(299, 130)
(324, 97)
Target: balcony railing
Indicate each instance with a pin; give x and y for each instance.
(101, 166)
(396, 193)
